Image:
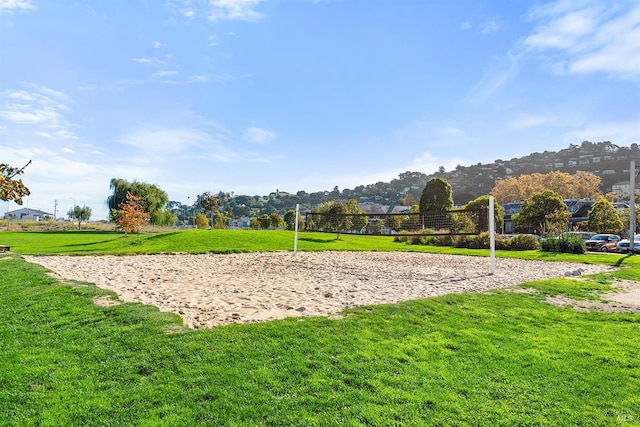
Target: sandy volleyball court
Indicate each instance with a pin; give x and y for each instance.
(209, 290)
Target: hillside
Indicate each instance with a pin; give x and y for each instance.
(604, 159)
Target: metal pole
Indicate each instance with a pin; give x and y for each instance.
(295, 238)
(632, 205)
(492, 235)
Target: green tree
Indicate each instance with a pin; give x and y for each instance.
(395, 222)
(626, 218)
(220, 219)
(604, 218)
(437, 195)
(80, 214)
(358, 221)
(210, 202)
(165, 218)
(545, 212)
(202, 221)
(276, 220)
(265, 221)
(11, 188)
(290, 220)
(338, 218)
(482, 202)
(152, 197)
(334, 217)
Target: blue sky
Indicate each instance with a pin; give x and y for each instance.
(251, 96)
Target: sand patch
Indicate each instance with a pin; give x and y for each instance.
(624, 300)
(106, 301)
(210, 290)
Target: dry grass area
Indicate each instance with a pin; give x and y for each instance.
(625, 300)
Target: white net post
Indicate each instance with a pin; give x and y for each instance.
(492, 235)
(632, 204)
(295, 234)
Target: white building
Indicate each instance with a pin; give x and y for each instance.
(28, 214)
(622, 189)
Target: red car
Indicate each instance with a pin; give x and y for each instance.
(603, 242)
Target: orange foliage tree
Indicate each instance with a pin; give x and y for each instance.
(581, 185)
(132, 215)
(10, 187)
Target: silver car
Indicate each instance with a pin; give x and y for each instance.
(623, 245)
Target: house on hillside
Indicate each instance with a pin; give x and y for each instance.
(622, 189)
(25, 214)
(239, 223)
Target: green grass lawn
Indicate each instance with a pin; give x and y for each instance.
(499, 358)
(230, 241)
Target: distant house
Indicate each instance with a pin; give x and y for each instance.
(28, 214)
(242, 222)
(378, 209)
(622, 189)
(579, 209)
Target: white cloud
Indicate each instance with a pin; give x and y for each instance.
(234, 10)
(9, 6)
(141, 60)
(165, 141)
(493, 80)
(452, 131)
(527, 121)
(40, 110)
(259, 136)
(489, 27)
(428, 163)
(587, 37)
(163, 73)
(621, 133)
(197, 79)
(466, 25)
(158, 45)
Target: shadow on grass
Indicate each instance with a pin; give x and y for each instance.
(67, 232)
(161, 235)
(316, 240)
(73, 245)
(623, 259)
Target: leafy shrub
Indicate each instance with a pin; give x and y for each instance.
(458, 241)
(571, 245)
(524, 242)
(502, 243)
(401, 237)
(550, 244)
(426, 237)
(443, 240)
(480, 241)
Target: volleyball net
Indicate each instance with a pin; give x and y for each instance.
(450, 222)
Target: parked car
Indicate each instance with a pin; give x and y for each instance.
(603, 242)
(623, 245)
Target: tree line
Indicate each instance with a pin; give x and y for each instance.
(543, 211)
